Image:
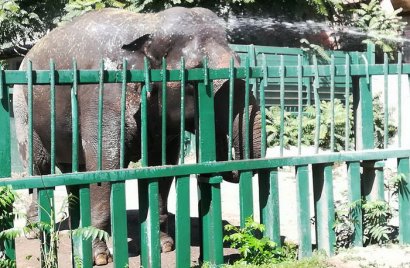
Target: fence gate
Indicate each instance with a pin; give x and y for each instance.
(364, 159)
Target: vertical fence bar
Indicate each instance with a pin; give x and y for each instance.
(245, 179)
(386, 101)
(363, 99)
(52, 117)
(252, 63)
(209, 190)
(317, 104)
(100, 115)
(379, 189)
(164, 113)
(30, 116)
(263, 84)
(8, 246)
(246, 112)
(399, 73)
(300, 104)
(182, 217)
(324, 207)
(123, 107)
(46, 196)
(282, 104)
(332, 103)
(182, 113)
(403, 169)
(2, 86)
(347, 102)
(245, 196)
(119, 224)
(148, 191)
(269, 204)
(118, 202)
(5, 150)
(353, 175)
(183, 222)
(80, 212)
(231, 102)
(74, 118)
(80, 216)
(303, 214)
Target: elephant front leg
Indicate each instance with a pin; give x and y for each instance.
(100, 218)
(167, 243)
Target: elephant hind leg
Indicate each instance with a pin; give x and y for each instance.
(41, 166)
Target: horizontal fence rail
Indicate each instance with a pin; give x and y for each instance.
(316, 167)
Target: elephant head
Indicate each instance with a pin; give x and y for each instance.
(195, 34)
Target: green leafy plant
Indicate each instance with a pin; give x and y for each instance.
(376, 228)
(7, 198)
(376, 215)
(47, 232)
(367, 22)
(382, 28)
(398, 184)
(314, 49)
(290, 136)
(254, 250)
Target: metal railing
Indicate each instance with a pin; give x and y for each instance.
(209, 171)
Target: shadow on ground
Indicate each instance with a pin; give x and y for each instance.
(28, 251)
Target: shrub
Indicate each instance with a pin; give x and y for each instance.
(254, 250)
(376, 228)
(290, 133)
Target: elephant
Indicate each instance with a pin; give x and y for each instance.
(112, 35)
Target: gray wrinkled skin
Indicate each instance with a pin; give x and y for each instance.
(113, 34)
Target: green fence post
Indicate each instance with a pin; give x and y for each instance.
(80, 211)
(269, 204)
(119, 224)
(403, 169)
(148, 191)
(209, 189)
(353, 174)
(5, 157)
(182, 222)
(80, 216)
(245, 196)
(324, 207)
(303, 214)
(363, 107)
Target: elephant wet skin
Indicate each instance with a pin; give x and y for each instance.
(114, 35)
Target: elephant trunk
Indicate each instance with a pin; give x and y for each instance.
(240, 137)
(239, 126)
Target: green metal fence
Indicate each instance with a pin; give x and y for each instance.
(357, 81)
(271, 56)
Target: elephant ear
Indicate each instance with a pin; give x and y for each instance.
(140, 44)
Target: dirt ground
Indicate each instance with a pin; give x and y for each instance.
(390, 256)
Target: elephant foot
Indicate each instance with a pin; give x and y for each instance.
(102, 255)
(167, 243)
(102, 259)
